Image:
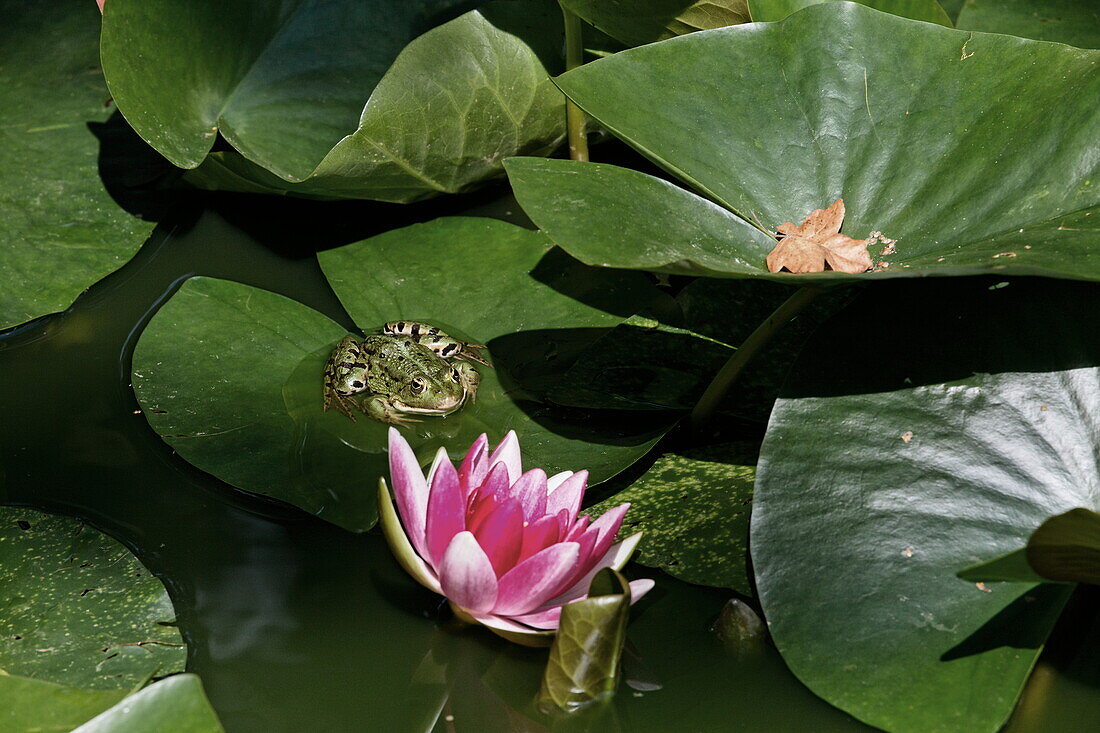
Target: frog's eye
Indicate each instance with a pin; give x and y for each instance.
(455, 375)
(418, 385)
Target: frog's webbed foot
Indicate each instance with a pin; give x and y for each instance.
(341, 403)
(378, 408)
(439, 342)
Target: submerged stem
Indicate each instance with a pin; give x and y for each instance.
(729, 373)
(574, 116)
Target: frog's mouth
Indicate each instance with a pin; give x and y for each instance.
(445, 407)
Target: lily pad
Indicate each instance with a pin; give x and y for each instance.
(32, 706)
(230, 375)
(645, 21)
(1075, 22)
(694, 508)
(928, 11)
(77, 609)
(906, 132)
(902, 450)
(286, 83)
(177, 704)
(60, 231)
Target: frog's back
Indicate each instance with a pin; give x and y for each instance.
(395, 361)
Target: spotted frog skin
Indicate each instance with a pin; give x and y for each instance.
(410, 368)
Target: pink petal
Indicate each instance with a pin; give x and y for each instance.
(504, 624)
(530, 490)
(547, 619)
(446, 510)
(466, 575)
(440, 457)
(501, 536)
(578, 527)
(475, 465)
(555, 481)
(493, 492)
(508, 454)
(568, 495)
(586, 556)
(615, 557)
(527, 585)
(409, 489)
(563, 521)
(639, 588)
(539, 535)
(607, 527)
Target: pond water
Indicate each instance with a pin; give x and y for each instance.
(296, 625)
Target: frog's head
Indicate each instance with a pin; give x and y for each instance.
(429, 385)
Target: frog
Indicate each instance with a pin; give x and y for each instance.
(411, 368)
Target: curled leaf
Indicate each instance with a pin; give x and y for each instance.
(1067, 547)
(817, 244)
(584, 660)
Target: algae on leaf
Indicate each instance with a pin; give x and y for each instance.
(694, 510)
(77, 609)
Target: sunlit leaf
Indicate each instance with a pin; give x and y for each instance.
(231, 376)
(77, 609)
(903, 449)
(60, 230)
(906, 132)
(584, 659)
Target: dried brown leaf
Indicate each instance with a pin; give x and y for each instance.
(817, 244)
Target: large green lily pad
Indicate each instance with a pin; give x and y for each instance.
(904, 448)
(907, 132)
(176, 704)
(230, 375)
(77, 609)
(928, 11)
(694, 509)
(59, 229)
(287, 83)
(645, 21)
(33, 706)
(1076, 22)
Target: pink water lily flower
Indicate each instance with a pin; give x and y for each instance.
(506, 548)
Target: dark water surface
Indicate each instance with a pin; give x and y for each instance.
(296, 625)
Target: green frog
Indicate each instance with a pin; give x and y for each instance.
(410, 368)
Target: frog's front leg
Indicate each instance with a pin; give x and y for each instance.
(470, 379)
(440, 343)
(382, 409)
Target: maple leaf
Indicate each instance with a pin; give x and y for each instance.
(816, 245)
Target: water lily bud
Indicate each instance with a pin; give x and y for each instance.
(506, 548)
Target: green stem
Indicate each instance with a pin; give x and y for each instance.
(730, 372)
(575, 123)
